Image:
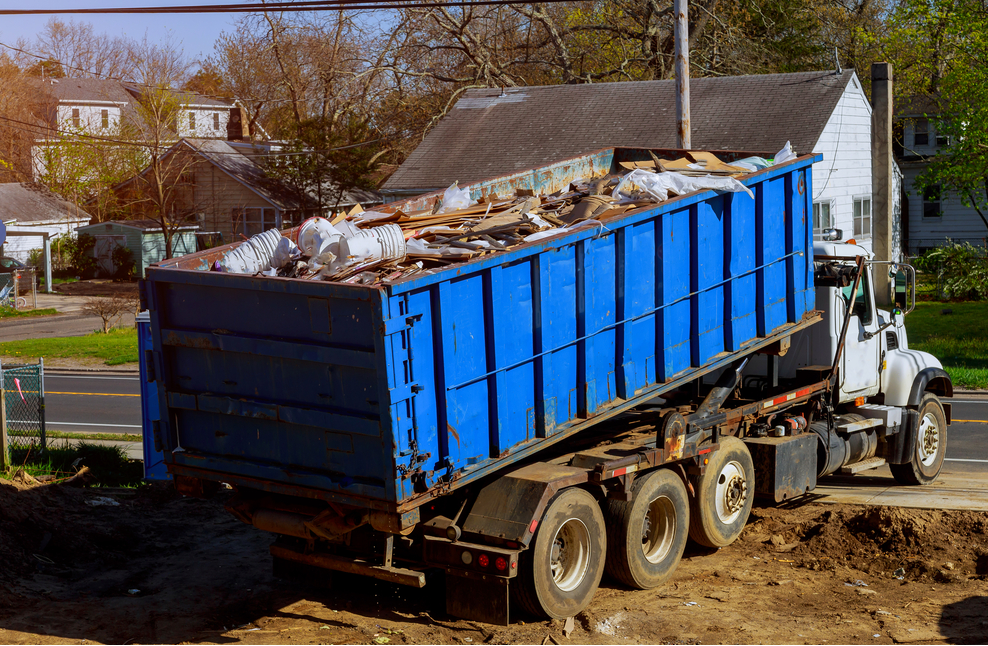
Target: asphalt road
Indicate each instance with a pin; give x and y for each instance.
(93, 404)
(967, 438)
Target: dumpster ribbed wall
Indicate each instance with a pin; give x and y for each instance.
(528, 345)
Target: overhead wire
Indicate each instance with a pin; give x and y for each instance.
(42, 130)
(270, 7)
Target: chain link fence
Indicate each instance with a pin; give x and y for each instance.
(24, 406)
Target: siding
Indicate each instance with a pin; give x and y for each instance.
(218, 196)
(90, 118)
(20, 247)
(956, 222)
(153, 247)
(204, 122)
(845, 172)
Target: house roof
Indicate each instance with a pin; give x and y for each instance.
(491, 132)
(85, 89)
(239, 163)
(916, 105)
(28, 203)
(144, 225)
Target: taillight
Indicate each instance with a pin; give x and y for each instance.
(500, 563)
(483, 560)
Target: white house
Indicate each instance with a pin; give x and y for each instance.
(491, 132)
(99, 107)
(931, 216)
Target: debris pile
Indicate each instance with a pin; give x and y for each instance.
(371, 247)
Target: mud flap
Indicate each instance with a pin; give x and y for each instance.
(477, 599)
(902, 445)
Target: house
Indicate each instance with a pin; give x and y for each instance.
(929, 217)
(32, 213)
(144, 239)
(91, 107)
(227, 192)
(492, 132)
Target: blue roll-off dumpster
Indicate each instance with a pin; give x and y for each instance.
(383, 396)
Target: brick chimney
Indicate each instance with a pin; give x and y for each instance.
(882, 180)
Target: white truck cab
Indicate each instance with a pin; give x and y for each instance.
(894, 391)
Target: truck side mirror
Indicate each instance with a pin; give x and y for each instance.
(830, 235)
(900, 288)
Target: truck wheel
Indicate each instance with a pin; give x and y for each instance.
(561, 570)
(931, 445)
(646, 537)
(724, 494)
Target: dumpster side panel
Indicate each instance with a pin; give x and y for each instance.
(558, 333)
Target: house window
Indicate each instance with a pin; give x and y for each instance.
(921, 133)
(931, 201)
(104, 116)
(862, 217)
(192, 121)
(216, 121)
(942, 139)
(75, 117)
(253, 220)
(822, 218)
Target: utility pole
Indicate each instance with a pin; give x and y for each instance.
(683, 139)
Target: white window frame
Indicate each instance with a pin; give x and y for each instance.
(938, 202)
(860, 219)
(256, 219)
(216, 121)
(104, 116)
(926, 131)
(817, 211)
(76, 117)
(192, 121)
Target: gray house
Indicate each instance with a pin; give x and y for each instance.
(491, 132)
(144, 239)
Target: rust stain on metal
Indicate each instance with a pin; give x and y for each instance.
(456, 436)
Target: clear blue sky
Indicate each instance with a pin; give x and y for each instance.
(195, 33)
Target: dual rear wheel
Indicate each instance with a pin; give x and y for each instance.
(638, 542)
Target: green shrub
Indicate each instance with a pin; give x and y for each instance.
(82, 255)
(961, 270)
(123, 263)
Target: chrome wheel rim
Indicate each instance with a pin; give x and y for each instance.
(570, 556)
(731, 493)
(658, 529)
(928, 442)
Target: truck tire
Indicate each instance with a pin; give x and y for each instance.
(561, 570)
(931, 445)
(646, 536)
(724, 494)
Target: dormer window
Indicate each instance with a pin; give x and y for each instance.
(104, 116)
(192, 121)
(75, 117)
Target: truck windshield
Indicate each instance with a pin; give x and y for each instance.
(862, 300)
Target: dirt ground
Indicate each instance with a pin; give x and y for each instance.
(147, 566)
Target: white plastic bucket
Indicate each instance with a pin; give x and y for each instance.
(253, 255)
(317, 236)
(386, 242)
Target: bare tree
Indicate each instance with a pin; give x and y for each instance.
(110, 308)
(81, 52)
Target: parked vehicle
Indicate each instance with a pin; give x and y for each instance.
(526, 421)
(10, 265)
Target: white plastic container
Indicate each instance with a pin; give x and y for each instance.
(253, 255)
(386, 242)
(316, 236)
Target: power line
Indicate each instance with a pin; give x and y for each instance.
(272, 7)
(41, 130)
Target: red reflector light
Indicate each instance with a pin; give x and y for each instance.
(483, 560)
(500, 563)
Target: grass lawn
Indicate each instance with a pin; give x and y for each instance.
(10, 312)
(115, 348)
(959, 340)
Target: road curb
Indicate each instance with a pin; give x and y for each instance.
(92, 372)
